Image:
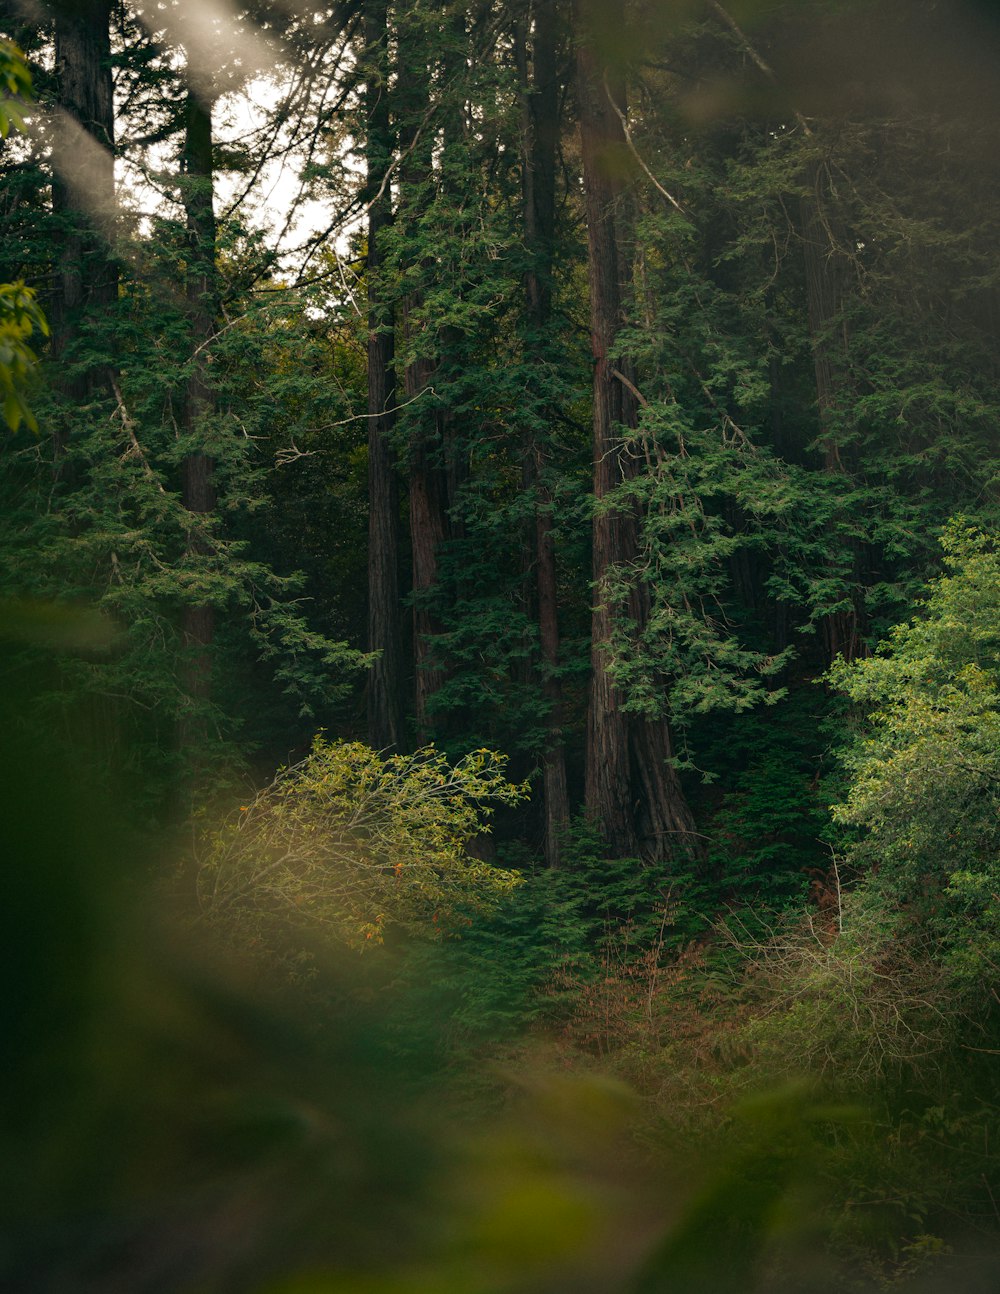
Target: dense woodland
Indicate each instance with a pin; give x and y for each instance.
(500, 662)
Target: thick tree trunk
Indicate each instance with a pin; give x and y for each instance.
(632, 791)
(540, 129)
(427, 493)
(197, 468)
(83, 191)
(384, 691)
(428, 452)
(428, 503)
(554, 782)
(608, 776)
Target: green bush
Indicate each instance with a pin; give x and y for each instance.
(924, 794)
(351, 842)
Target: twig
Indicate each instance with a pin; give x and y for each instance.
(292, 454)
(989, 1192)
(840, 901)
(379, 413)
(128, 427)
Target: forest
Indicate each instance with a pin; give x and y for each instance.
(500, 646)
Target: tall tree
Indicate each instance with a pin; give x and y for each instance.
(384, 683)
(432, 57)
(539, 77)
(419, 44)
(633, 792)
(83, 190)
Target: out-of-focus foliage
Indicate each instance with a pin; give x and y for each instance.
(20, 314)
(15, 85)
(161, 1096)
(175, 1119)
(358, 842)
(169, 1121)
(20, 317)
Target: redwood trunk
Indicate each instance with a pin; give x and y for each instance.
(540, 128)
(632, 791)
(554, 782)
(384, 692)
(83, 190)
(428, 490)
(427, 535)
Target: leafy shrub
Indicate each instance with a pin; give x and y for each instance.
(856, 1007)
(353, 842)
(924, 792)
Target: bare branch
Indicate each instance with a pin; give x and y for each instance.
(635, 152)
(630, 386)
(753, 54)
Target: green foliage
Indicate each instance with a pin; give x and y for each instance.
(20, 314)
(766, 818)
(15, 80)
(702, 507)
(119, 538)
(807, 425)
(20, 317)
(550, 937)
(357, 844)
(887, 987)
(925, 772)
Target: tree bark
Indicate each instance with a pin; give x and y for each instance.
(430, 454)
(384, 698)
(540, 130)
(428, 502)
(83, 192)
(633, 793)
(426, 514)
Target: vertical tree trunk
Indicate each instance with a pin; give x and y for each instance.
(424, 487)
(540, 129)
(554, 784)
(428, 502)
(83, 190)
(384, 692)
(608, 779)
(632, 792)
(197, 484)
(427, 478)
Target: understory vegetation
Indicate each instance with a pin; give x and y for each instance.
(537, 1078)
(500, 647)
